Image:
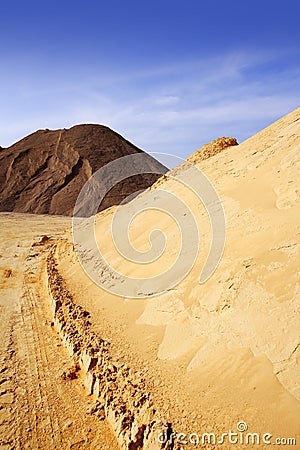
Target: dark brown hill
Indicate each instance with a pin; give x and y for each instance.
(44, 172)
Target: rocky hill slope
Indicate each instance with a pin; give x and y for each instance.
(44, 172)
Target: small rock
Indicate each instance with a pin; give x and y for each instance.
(67, 424)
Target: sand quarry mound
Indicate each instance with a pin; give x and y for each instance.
(188, 365)
(214, 354)
(44, 172)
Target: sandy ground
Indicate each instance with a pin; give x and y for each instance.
(212, 355)
(39, 406)
(227, 350)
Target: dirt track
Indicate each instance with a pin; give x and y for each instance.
(40, 406)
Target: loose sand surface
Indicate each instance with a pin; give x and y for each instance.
(227, 350)
(40, 407)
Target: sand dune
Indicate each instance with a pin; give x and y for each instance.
(227, 350)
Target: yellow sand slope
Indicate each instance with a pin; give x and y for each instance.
(227, 350)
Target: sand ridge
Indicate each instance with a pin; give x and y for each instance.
(227, 350)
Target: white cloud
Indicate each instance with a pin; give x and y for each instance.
(172, 109)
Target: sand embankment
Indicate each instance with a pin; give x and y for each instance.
(225, 351)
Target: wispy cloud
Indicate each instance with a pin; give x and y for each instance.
(170, 108)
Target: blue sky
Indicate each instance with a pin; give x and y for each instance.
(167, 75)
